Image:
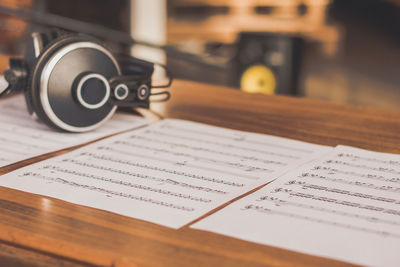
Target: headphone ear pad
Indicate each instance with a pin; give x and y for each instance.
(31, 50)
(44, 41)
(28, 95)
(37, 44)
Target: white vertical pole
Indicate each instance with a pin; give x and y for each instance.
(148, 23)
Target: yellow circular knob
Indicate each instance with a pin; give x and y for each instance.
(258, 79)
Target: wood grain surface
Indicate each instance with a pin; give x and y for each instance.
(41, 231)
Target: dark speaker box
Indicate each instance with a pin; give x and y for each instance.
(268, 62)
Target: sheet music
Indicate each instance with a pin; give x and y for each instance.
(169, 173)
(22, 137)
(344, 206)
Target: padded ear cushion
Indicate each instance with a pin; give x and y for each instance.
(42, 38)
(33, 90)
(30, 59)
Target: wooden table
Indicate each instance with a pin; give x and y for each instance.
(41, 231)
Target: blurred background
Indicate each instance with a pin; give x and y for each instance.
(338, 50)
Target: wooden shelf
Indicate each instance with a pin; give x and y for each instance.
(305, 18)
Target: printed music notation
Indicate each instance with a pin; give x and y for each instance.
(170, 172)
(344, 205)
(23, 137)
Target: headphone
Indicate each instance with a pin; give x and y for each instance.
(73, 83)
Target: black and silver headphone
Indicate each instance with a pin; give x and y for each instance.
(73, 83)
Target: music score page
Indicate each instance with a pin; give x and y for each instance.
(345, 206)
(169, 173)
(23, 137)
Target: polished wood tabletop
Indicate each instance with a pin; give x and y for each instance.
(42, 231)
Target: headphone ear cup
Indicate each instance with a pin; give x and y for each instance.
(60, 64)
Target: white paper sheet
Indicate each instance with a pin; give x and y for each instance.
(169, 173)
(23, 137)
(344, 206)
